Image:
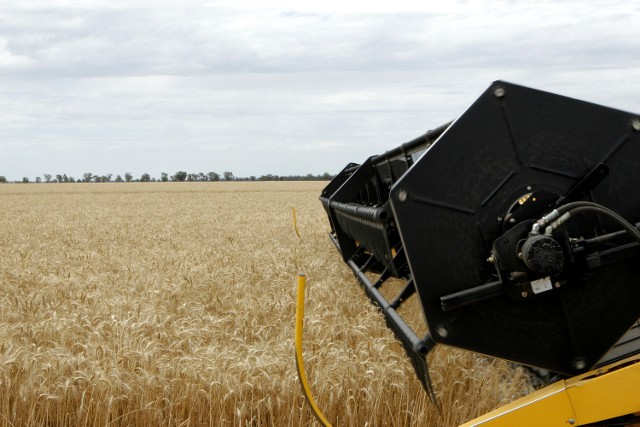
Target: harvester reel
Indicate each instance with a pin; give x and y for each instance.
(518, 147)
(516, 225)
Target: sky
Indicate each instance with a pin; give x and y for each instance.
(281, 87)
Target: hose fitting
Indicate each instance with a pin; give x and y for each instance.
(535, 229)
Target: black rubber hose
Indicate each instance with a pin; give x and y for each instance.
(597, 209)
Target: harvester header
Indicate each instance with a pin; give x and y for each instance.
(516, 226)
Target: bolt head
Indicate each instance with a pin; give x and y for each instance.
(635, 124)
(442, 331)
(579, 363)
(524, 294)
(571, 421)
(499, 92)
(402, 196)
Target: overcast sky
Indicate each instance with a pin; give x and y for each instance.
(281, 86)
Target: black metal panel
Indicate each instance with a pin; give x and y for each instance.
(333, 186)
(451, 206)
(357, 188)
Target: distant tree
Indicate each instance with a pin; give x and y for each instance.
(87, 176)
(326, 176)
(109, 175)
(252, 178)
(25, 180)
(128, 177)
(145, 177)
(213, 176)
(3, 180)
(202, 176)
(65, 178)
(192, 177)
(119, 178)
(180, 176)
(164, 177)
(228, 176)
(70, 179)
(59, 178)
(47, 177)
(38, 179)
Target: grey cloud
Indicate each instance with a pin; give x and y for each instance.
(283, 88)
(194, 40)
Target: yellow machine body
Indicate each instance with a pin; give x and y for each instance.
(609, 392)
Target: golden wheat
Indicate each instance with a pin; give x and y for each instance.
(173, 304)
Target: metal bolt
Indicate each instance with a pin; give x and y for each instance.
(499, 218)
(558, 284)
(528, 188)
(492, 259)
(442, 331)
(520, 255)
(579, 363)
(512, 220)
(402, 196)
(524, 294)
(635, 124)
(571, 421)
(498, 92)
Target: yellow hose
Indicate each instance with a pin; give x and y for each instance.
(302, 281)
(295, 222)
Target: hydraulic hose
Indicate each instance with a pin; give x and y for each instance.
(571, 209)
(302, 281)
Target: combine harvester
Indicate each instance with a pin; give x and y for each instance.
(516, 227)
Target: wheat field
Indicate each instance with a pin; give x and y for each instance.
(173, 304)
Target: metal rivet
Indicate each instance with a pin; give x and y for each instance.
(492, 259)
(635, 124)
(558, 284)
(512, 220)
(498, 92)
(571, 421)
(499, 218)
(442, 331)
(528, 188)
(524, 294)
(402, 196)
(579, 363)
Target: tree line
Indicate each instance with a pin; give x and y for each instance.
(179, 176)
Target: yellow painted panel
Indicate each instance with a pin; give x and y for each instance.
(548, 407)
(598, 395)
(605, 396)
